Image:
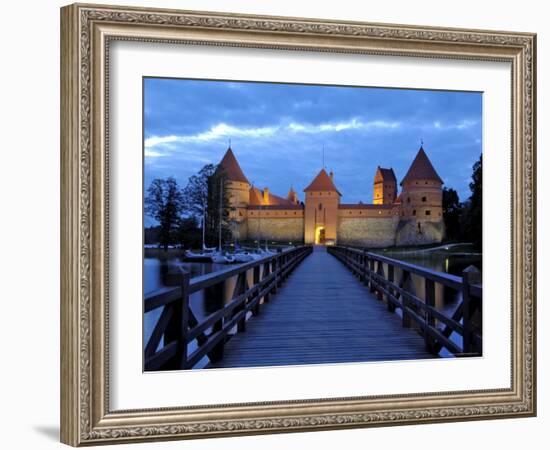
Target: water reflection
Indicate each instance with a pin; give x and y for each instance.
(447, 263)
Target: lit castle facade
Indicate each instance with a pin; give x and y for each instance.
(412, 217)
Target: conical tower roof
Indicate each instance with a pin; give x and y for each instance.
(322, 182)
(421, 169)
(232, 168)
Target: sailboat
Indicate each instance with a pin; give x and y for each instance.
(211, 254)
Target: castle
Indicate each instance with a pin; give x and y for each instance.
(411, 218)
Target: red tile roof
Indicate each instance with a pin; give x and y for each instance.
(231, 167)
(255, 196)
(256, 199)
(322, 182)
(421, 169)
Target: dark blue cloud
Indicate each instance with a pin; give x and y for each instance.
(278, 132)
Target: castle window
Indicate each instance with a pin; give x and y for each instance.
(428, 212)
(320, 206)
(408, 199)
(423, 199)
(414, 212)
(425, 182)
(294, 212)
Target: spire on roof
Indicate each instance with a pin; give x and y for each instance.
(292, 196)
(322, 182)
(231, 167)
(421, 169)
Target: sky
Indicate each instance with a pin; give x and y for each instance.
(278, 132)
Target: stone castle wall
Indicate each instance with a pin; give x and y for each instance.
(367, 232)
(240, 230)
(277, 229)
(356, 231)
(409, 233)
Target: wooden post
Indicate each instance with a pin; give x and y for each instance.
(255, 281)
(241, 286)
(391, 306)
(365, 267)
(470, 275)
(279, 268)
(429, 298)
(273, 269)
(176, 330)
(371, 278)
(266, 273)
(216, 292)
(380, 272)
(406, 320)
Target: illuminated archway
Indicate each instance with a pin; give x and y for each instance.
(320, 235)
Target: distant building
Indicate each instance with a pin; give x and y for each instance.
(413, 217)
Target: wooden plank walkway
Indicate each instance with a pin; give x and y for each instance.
(322, 314)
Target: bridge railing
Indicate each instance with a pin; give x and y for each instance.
(413, 289)
(239, 291)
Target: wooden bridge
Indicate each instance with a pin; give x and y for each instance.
(309, 305)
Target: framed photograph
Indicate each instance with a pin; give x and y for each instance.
(276, 224)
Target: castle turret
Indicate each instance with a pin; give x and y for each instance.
(238, 189)
(385, 187)
(237, 185)
(421, 203)
(292, 196)
(321, 210)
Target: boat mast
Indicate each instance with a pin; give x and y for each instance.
(220, 219)
(203, 226)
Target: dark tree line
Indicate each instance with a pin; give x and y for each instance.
(181, 213)
(463, 221)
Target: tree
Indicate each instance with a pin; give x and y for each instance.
(451, 213)
(196, 195)
(164, 203)
(151, 235)
(188, 233)
(472, 223)
(205, 194)
(217, 215)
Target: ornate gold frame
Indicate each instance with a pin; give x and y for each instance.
(86, 31)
